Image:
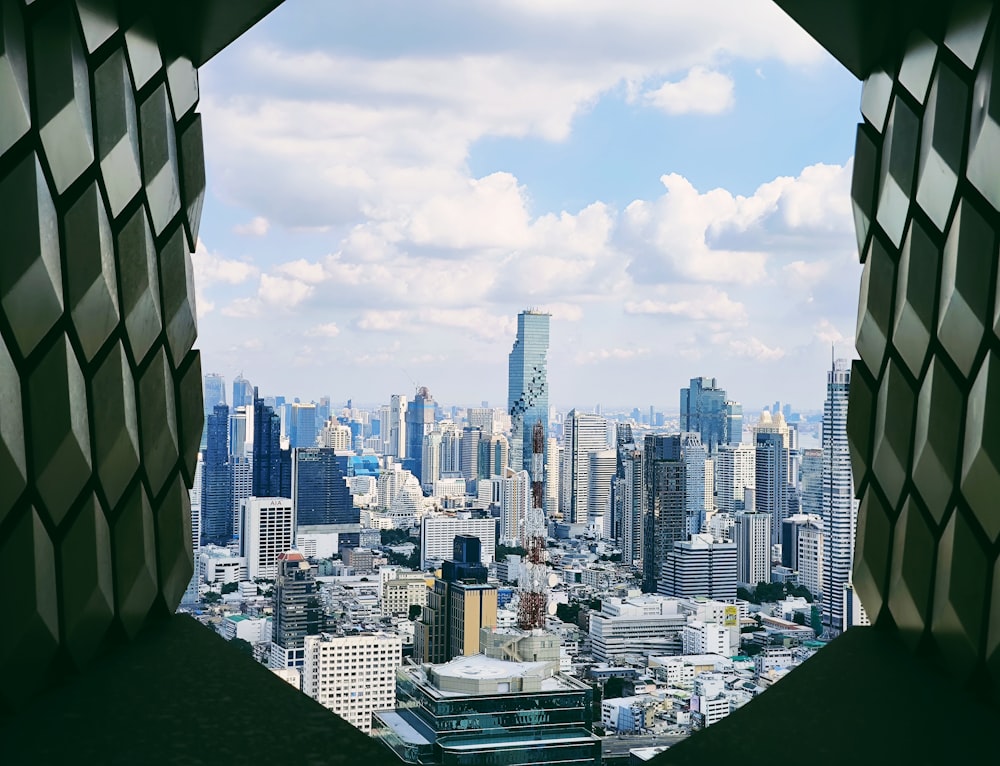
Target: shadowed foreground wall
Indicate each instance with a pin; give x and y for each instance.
(101, 186)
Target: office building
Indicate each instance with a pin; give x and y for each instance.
(438, 533)
(243, 392)
(321, 496)
(241, 471)
(583, 433)
(705, 410)
(298, 611)
(840, 508)
(648, 624)
(419, 423)
(752, 535)
(698, 477)
(459, 605)
(771, 477)
(734, 473)
(266, 450)
(430, 462)
(238, 436)
(216, 480)
(811, 482)
(700, 567)
(664, 520)
(353, 676)
(494, 455)
(302, 425)
(512, 713)
(215, 391)
(528, 385)
(268, 528)
(469, 453)
(627, 500)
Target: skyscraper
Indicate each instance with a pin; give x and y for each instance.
(664, 522)
(752, 534)
(302, 425)
(583, 433)
(297, 610)
(243, 393)
(419, 423)
(528, 385)
(215, 391)
(840, 508)
(706, 411)
(266, 449)
(216, 480)
(394, 431)
(811, 481)
(319, 489)
(601, 473)
(734, 474)
(771, 480)
(627, 497)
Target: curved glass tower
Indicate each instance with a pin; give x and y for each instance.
(528, 385)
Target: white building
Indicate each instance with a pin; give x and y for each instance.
(255, 631)
(515, 499)
(734, 473)
(353, 675)
(601, 470)
(553, 459)
(404, 590)
(840, 508)
(268, 528)
(706, 638)
(752, 534)
(335, 436)
(699, 567)
(641, 625)
(219, 565)
(809, 558)
(583, 433)
(437, 537)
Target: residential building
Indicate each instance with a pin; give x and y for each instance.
(752, 534)
(734, 473)
(664, 521)
(583, 433)
(771, 477)
(352, 675)
(515, 499)
(298, 611)
(811, 481)
(394, 431)
(840, 507)
(601, 474)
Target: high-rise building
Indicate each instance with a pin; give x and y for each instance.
(216, 480)
(243, 393)
(238, 432)
(481, 418)
(840, 508)
(266, 450)
(459, 605)
(430, 461)
(419, 423)
(601, 474)
(752, 535)
(627, 500)
(298, 611)
(395, 429)
(319, 489)
(699, 567)
(241, 470)
(515, 499)
(215, 391)
(528, 385)
(352, 675)
(771, 478)
(302, 425)
(268, 530)
(469, 453)
(734, 474)
(809, 557)
(438, 533)
(494, 457)
(811, 481)
(705, 410)
(664, 521)
(699, 481)
(553, 460)
(583, 433)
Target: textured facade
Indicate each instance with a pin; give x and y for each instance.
(923, 411)
(101, 186)
(528, 385)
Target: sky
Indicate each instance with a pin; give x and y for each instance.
(391, 182)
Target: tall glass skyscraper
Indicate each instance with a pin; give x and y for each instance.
(216, 480)
(419, 423)
(528, 385)
(706, 411)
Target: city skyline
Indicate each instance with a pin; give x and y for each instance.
(677, 198)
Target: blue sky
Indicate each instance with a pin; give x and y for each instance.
(391, 182)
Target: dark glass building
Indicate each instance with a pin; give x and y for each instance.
(419, 421)
(266, 450)
(319, 489)
(216, 481)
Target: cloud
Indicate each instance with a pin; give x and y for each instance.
(256, 227)
(328, 330)
(609, 354)
(211, 268)
(700, 92)
(754, 348)
(698, 304)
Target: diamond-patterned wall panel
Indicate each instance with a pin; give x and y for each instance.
(933, 119)
(102, 181)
